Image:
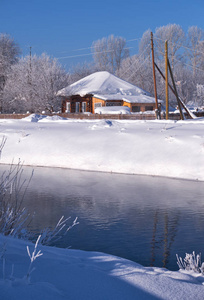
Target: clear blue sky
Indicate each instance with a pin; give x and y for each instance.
(59, 27)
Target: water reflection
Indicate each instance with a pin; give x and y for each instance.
(163, 240)
(145, 219)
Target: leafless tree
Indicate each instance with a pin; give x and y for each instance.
(144, 45)
(108, 53)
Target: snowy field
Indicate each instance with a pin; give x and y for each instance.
(160, 148)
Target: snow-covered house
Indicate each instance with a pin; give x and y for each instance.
(104, 89)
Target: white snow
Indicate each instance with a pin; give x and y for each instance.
(163, 148)
(159, 148)
(78, 275)
(101, 83)
(112, 110)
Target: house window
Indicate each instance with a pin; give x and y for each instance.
(115, 103)
(135, 108)
(97, 105)
(67, 107)
(77, 107)
(83, 107)
(148, 108)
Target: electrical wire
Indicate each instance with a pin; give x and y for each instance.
(138, 68)
(135, 61)
(92, 47)
(201, 52)
(189, 65)
(87, 54)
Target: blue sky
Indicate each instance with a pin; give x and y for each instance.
(60, 27)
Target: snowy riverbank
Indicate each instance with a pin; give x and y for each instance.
(77, 275)
(158, 148)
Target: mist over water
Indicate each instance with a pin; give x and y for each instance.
(145, 219)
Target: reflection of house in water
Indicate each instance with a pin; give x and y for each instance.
(104, 89)
(164, 233)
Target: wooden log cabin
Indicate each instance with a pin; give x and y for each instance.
(104, 89)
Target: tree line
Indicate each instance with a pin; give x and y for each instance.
(30, 83)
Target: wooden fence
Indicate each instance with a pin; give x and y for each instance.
(102, 116)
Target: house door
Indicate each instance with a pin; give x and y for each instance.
(83, 107)
(77, 107)
(72, 107)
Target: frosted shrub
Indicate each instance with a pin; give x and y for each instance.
(191, 262)
(33, 257)
(12, 191)
(50, 236)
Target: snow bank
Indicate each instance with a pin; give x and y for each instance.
(159, 148)
(73, 274)
(112, 110)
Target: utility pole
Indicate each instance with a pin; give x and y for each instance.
(154, 75)
(175, 90)
(166, 81)
(190, 114)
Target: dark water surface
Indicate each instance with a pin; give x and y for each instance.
(145, 219)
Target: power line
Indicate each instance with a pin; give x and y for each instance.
(92, 47)
(138, 68)
(136, 60)
(72, 56)
(81, 49)
(189, 65)
(201, 52)
(138, 39)
(184, 63)
(87, 54)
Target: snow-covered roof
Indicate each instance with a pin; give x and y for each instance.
(106, 86)
(141, 98)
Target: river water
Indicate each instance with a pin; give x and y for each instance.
(145, 219)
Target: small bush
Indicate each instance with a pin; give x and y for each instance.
(191, 262)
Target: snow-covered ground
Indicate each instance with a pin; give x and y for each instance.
(62, 274)
(163, 148)
(160, 148)
(112, 110)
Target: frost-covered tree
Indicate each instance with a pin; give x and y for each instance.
(9, 54)
(195, 39)
(108, 53)
(144, 45)
(80, 71)
(138, 71)
(33, 83)
(176, 38)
